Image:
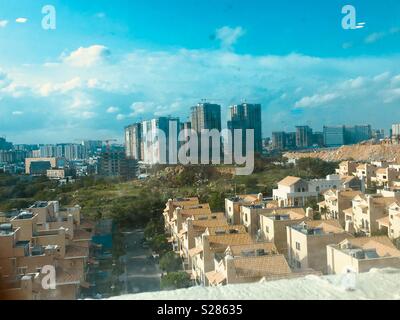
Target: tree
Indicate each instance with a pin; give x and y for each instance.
(170, 262)
(159, 244)
(175, 280)
(153, 228)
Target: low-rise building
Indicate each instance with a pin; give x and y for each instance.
(295, 192)
(247, 264)
(347, 168)
(361, 255)
(385, 177)
(210, 246)
(233, 205)
(335, 202)
(273, 225)
(365, 212)
(307, 243)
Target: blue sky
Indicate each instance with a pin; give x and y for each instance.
(110, 63)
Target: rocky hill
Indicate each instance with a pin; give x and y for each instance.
(359, 152)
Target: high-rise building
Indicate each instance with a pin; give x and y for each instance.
(247, 116)
(206, 116)
(395, 133)
(47, 151)
(279, 140)
(357, 134)
(155, 150)
(133, 141)
(303, 136)
(334, 136)
(4, 145)
(116, 164)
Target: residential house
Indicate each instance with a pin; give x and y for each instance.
(234, 204)
(361, 255)
(307, 243)
(273, 223)
(365, 211)
(295, 192)
(211, 245)
(335, 202)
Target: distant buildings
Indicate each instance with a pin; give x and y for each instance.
(304, 137)
(335, 136)
(4, 145)
(247, 116)
(39, 166)
(116, 164)
(206, 116)
(133, 141)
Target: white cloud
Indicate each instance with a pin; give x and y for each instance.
(229, 36)
(3, 23)
(87, 57)
(49, 88)
(112, 110)
(316, 100)
(17, 113)
(21, 20)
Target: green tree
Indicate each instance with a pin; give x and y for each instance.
(175, 280)
(170, 262)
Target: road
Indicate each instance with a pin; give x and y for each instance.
(141, 272)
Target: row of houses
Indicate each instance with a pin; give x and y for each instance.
(40, 237)
(257, 238)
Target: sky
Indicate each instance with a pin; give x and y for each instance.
(111, 63)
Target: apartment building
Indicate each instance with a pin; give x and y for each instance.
(347, 168)
(170, 207)
(385, 177)
(233, 205)
(44, 235)
(211, 245)
(295, 192)
(366, 172)
(194, 227)
(179, 216)
(335, 202)
(247, 264)
(273, 225)
(390, 224)
(307, 243)
(365, 211)
(361, 255)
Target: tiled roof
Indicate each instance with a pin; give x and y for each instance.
(226, 228)
(222, 241)
(328, 226)
(382, 244)
(195, 251)
(215, 277)
(385, 221)
(289, 181)
(236, 250)
(261, 266)
(203, 224)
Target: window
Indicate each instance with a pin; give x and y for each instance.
(297, 245)
(266, 229)
(245, 217)
(298, 264)
(230, 209)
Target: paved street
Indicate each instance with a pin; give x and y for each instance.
(142, 273)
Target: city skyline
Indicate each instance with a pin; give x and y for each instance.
(105, 66)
